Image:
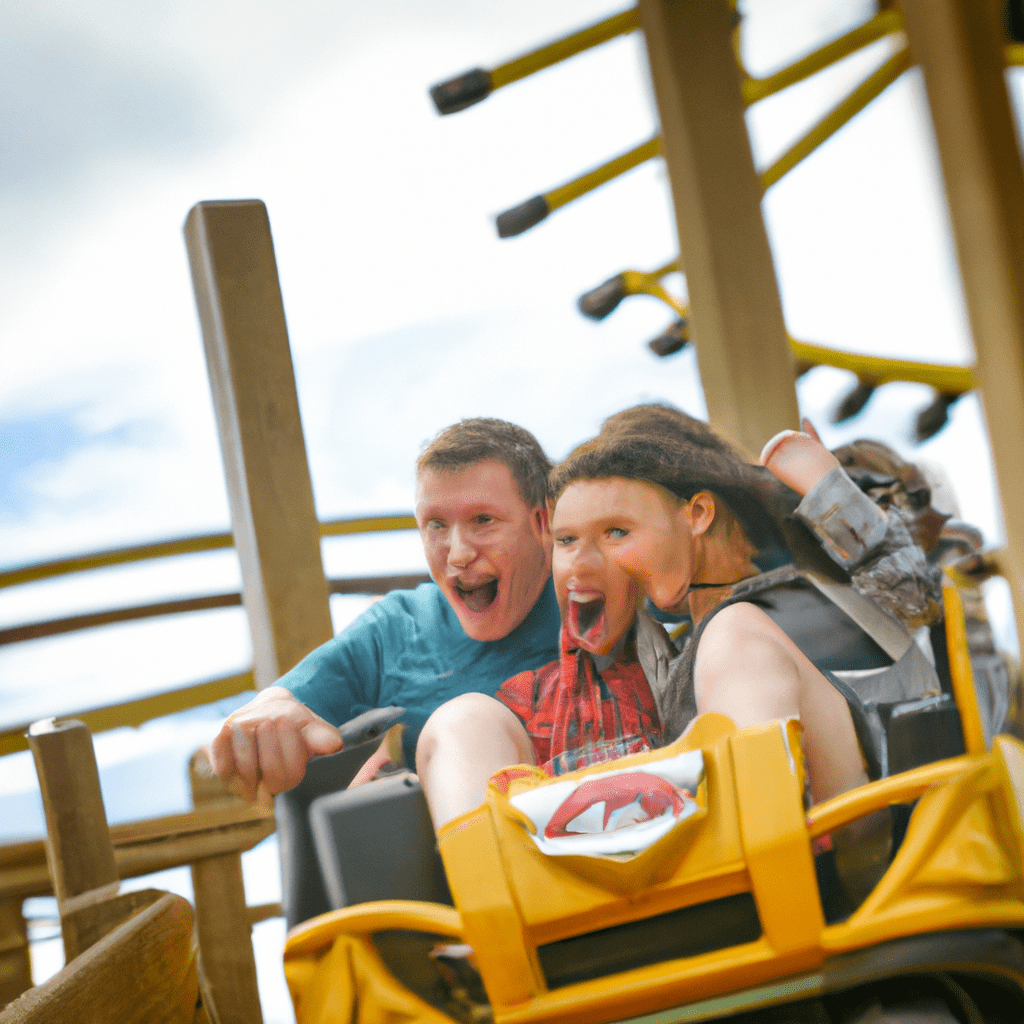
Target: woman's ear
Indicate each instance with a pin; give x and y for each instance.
(700, 510)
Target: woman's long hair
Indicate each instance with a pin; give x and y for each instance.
(662, 445)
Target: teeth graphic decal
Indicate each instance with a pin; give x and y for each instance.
(653, 797)
(619, 812)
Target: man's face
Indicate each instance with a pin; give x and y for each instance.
(488, 551)
(598, 599)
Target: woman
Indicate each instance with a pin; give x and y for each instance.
(670, 526)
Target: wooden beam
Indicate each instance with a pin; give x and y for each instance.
(142, 847)
(227, 963)
(959, 45)
(143, 971)
(738, 328)
(277, 535)
(79, 853)
(15, 962)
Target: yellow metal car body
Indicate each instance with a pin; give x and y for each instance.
(725, 914)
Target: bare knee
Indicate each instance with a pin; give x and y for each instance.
(746, 667)
(462, 723)
(463, 743)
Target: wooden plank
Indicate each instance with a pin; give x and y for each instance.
(277, 535)
(228, 965)
(738, 328)
(143, 971)
(959, 45)
(15, 962)
(141, 848)
(78, 848)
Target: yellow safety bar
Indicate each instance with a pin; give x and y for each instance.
(896, 789)
(960, 671)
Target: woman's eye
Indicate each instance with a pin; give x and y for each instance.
(564, 541)
(484, 520)
(617, 532)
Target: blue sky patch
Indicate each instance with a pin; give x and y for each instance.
(52, 438)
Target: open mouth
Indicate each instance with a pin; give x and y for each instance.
(480, 597)
(586, 616)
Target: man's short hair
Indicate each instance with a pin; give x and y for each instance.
(474, 440)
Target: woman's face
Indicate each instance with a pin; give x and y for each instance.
(638, 527)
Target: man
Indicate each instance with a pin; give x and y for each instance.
(481, 490)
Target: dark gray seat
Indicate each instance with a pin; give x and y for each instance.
(376, 842)
(302, 887)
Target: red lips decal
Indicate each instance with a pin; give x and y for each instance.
(654, 795)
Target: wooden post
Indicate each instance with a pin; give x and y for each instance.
(78, 848)
(740, 336)
(79, 853)
(277, 535)
(227, 963)
(15, 963)
(959, 45)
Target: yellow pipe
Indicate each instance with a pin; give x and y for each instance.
(948, 380)
(136, 712)
(184, 546)
(754, 89)
(524, 216)
(592, 179)
(960, 670)
(857, 100)
(896, 789)
(882, 24)
(562, 49)
(637, 283)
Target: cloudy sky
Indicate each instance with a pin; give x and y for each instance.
(405, 311)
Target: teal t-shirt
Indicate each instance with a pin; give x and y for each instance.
(408, 649)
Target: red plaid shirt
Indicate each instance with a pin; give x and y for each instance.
(568, 703)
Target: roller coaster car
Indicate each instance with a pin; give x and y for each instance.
(692, 883)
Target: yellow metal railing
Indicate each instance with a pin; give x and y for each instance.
(871, 371)
(144, 709)
(184, 546)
